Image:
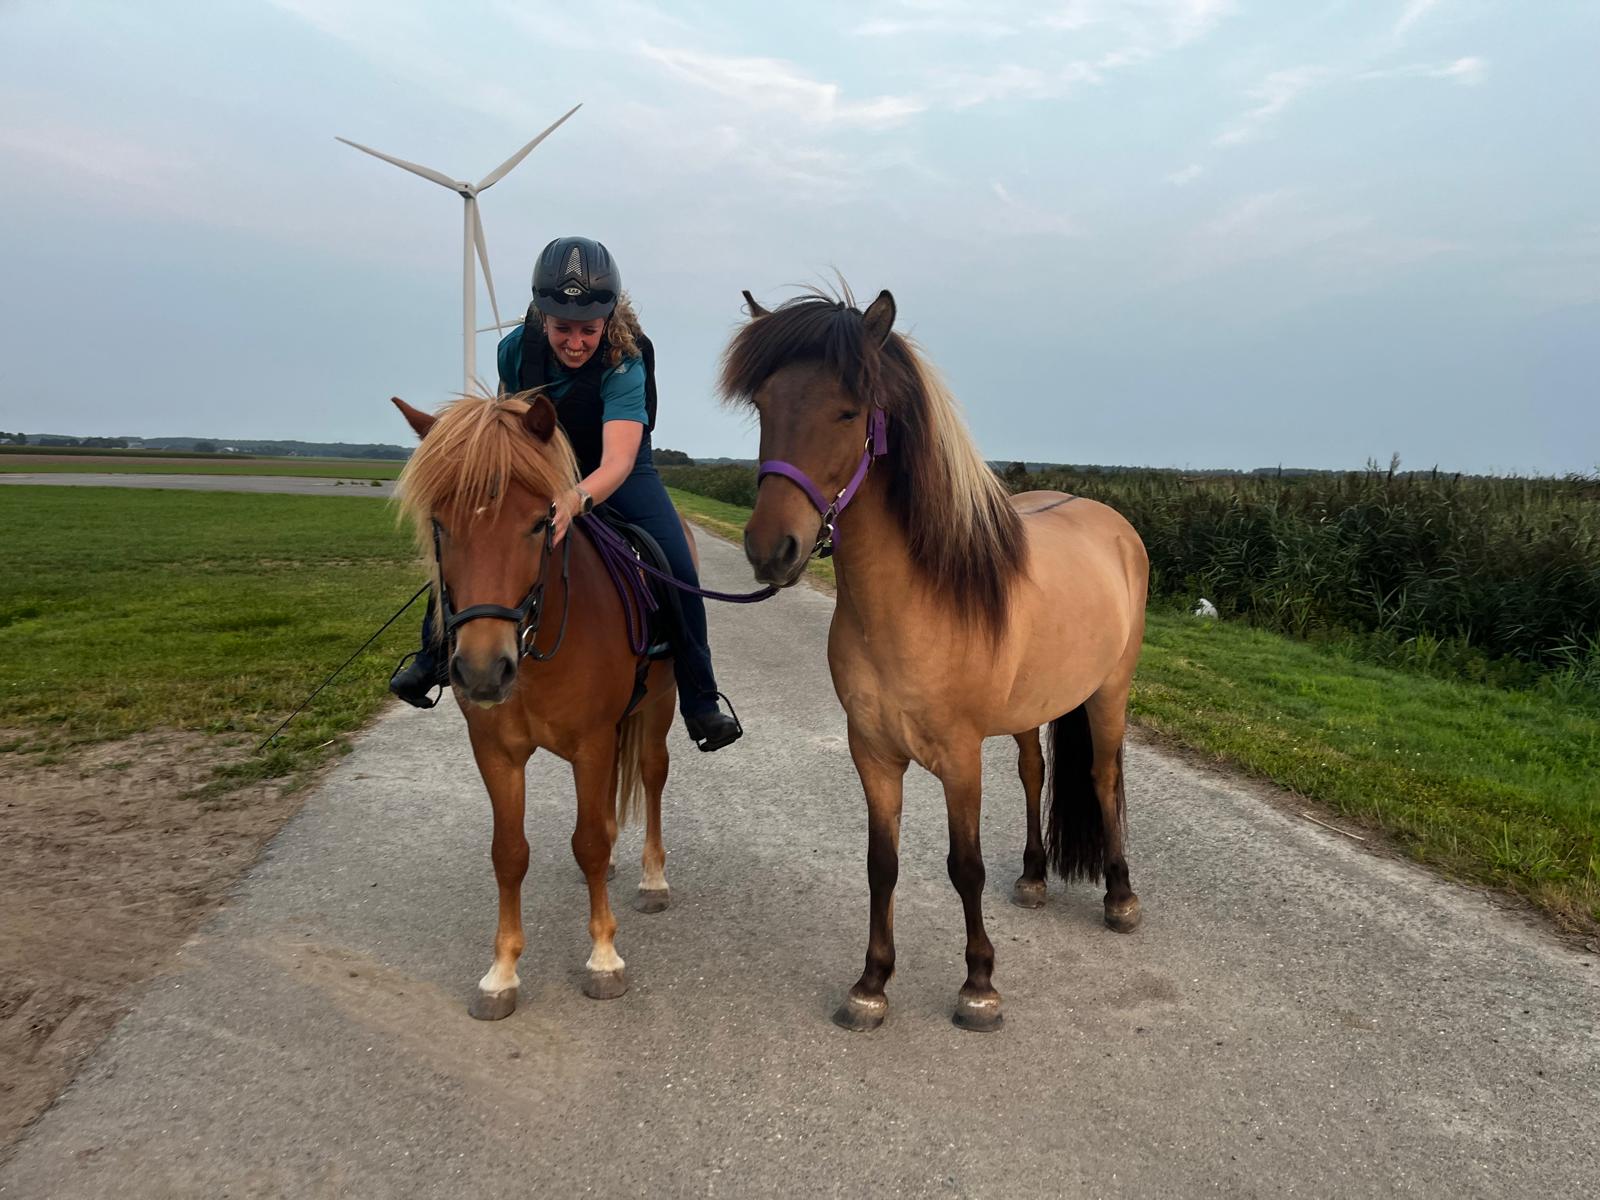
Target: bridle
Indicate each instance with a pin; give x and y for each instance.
(527, 615)
(877, 446)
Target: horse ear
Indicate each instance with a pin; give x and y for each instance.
(755, 309)
(420, 421)
(540, 419)
(880, 318)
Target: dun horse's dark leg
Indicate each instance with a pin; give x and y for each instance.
(497, 990)
(882, 779)
(978, 1004)
(1108, 726)
(1028, 891)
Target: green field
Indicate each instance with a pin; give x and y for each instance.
(1493, 786)
(123, 611)
(211, 464)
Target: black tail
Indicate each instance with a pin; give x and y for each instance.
(1075, 841)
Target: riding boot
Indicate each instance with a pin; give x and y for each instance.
(425, 669)
(713, 729)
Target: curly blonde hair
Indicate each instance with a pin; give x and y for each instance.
(622, 331)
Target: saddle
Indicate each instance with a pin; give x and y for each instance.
(645, 599)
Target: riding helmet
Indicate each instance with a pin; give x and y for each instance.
(576, 278)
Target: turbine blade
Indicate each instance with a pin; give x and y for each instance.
(502, 325)
(483, 257)
(425, 172)
(500, 172)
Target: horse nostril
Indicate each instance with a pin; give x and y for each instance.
(508, 670)
(456, 676)
(788, 549)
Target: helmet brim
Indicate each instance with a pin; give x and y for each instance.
(574, 310)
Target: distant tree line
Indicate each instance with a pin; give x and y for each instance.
(1492, 579)
(13, 439)
(93, 443)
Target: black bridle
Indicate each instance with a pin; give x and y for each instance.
(527, 615)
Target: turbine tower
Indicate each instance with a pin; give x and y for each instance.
(471, 237)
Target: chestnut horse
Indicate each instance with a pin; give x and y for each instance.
(962, 613)
(539, 657)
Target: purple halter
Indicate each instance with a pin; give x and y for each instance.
(877, 446)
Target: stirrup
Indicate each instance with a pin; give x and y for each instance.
(704, 744)
(417, 699)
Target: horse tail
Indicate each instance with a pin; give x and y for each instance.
(630, 781)
(1075, 842)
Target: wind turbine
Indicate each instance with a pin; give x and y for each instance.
(472, 236)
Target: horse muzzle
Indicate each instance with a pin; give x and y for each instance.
(486, 681)
(782, 563)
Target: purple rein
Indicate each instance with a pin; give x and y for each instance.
(877, 446)
(628, 571)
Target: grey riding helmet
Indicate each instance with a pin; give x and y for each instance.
(576, 278)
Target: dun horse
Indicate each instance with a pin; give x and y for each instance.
(962, 614)
(539, 658)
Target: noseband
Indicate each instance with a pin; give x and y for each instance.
(530, 612)
(877, 446)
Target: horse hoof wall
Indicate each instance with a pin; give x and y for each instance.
(651, 900)
(605, 985)
(1124, 917)
(980, 1014)
(1028, 893)
(859, 1014)
(493, 1006)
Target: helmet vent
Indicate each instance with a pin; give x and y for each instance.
(574, 263)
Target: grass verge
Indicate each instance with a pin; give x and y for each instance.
(124, 611)
(313, 468)
(1491, 786)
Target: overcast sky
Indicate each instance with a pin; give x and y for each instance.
(1174, 232)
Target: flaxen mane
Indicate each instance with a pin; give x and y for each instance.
(464, 463)
(964, 536)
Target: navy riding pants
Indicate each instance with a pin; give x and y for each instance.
(642, 500)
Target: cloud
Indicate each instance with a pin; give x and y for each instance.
(1275, 93)
(1186, 175)
(104, 156)
(772, 84)
(1019, 218)
(1413, 12)
(1166, 24)
(1469, 71)
(976, 24)
(1008, 81)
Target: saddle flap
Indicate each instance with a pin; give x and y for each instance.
(667, 619)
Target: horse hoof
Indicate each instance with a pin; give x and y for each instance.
(859, 1014)
(605, 985)
(493, 1006)
(1123, 917)
(651, 900)
(980, 1014)
(1028, 893)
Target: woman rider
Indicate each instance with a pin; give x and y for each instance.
(582, 343)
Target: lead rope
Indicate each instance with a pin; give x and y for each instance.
(271, 737)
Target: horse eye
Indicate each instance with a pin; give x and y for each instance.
(848, 416)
